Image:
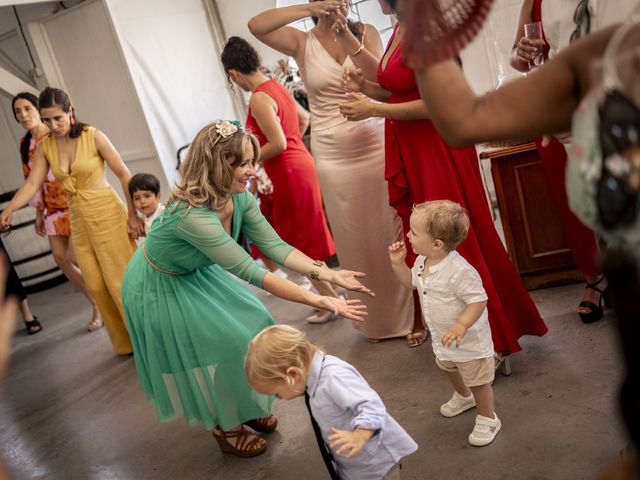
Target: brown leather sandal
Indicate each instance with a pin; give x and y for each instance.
(263, 424)
(245, 446)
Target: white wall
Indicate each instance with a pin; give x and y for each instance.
(486, 59)
(236, 13)
(14, 77)
(84, 47)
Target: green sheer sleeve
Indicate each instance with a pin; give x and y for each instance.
(260, 232)
(202, 229)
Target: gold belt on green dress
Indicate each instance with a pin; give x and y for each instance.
(161, 270)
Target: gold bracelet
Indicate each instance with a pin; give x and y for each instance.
(317, 263)
(358, 51)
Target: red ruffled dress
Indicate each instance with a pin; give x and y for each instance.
(419, 166)
(295, 206)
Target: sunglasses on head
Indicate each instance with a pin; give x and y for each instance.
(619, 133)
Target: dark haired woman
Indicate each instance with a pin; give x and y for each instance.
(420, 166)
(52, 209)
(77, 154)
(349, 155)
(295, 209)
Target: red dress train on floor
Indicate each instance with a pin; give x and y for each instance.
(419, 166)
(295, 206)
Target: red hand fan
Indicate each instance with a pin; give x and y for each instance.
(438, 29)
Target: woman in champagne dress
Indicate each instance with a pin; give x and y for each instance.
(349, 158)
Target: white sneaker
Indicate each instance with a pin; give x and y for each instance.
(485, 430)
(456, 405)
(321, 316)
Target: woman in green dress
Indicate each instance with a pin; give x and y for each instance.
(189, 320)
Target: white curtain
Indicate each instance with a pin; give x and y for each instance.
(175, 67)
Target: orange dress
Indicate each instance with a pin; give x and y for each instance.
(51, 198)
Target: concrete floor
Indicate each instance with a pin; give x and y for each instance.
(72, 410)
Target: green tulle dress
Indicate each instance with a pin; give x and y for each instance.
(190, 320)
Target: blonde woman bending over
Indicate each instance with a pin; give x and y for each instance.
(190, 320)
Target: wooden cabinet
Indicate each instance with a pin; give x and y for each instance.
(533, 232)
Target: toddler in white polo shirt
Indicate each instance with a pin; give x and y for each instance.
(454, 307)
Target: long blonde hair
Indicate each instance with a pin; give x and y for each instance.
(276, 349)
(207, 171)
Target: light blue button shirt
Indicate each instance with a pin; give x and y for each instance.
(340, 397)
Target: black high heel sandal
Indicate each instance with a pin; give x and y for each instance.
(596, 312)
(31, 325)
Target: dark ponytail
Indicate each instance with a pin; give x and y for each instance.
(54, 97)
(26, 140)
(24, 148)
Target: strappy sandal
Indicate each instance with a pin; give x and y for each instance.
(33, 324)
(95, 324)
(596, 312)
(263, 424)
(245, 446)
(415, 339)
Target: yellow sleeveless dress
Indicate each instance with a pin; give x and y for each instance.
(100, 237)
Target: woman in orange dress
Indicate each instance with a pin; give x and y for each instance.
(52, 209)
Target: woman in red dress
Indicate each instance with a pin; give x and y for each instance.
(580, 239)
(295, 204)
(421, 167)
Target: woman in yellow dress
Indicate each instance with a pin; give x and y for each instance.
(52, 208)
(102, 229)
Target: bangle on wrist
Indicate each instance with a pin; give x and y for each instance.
(358, 51)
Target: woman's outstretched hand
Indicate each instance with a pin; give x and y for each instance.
(351, 309)
(5, 220)
(348, 280)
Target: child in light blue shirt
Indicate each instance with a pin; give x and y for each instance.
(366, 443)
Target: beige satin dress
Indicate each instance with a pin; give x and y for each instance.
(350, 163)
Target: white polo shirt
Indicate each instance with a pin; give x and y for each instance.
(445, 291)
